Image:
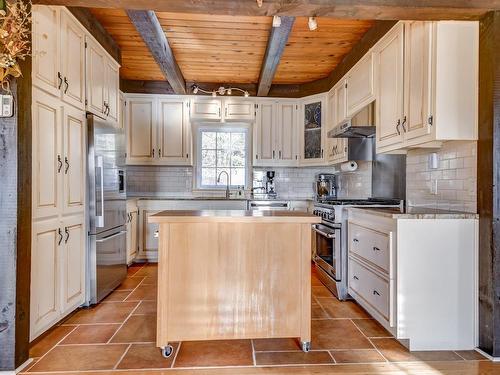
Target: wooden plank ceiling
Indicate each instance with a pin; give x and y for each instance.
(231, 49)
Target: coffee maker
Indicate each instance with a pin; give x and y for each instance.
(270, 188)
(326, 186)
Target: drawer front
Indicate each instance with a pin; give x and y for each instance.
(370, 245)
(371, 287)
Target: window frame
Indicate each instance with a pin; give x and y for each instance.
(233, 127)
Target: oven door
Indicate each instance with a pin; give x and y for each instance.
(327, 250)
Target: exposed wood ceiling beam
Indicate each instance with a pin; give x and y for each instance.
(360, 9)
(148, 26)
(275, 46)
(94, 27)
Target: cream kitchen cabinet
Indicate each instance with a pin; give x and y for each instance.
(173, 132)
(275, 133)
(59, 153)
(141, 129)
(123, 111)
(206, 109)
(384, 251)
(360, 85)
(312, 130)
(236, 109)
(158, 130)
(57, 270)
(59, 54)
(336, 102)
(427, 73)
(102, 77)
(132, 230)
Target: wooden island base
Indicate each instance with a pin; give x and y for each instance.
(233, 275)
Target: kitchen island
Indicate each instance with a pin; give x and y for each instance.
(233, 274)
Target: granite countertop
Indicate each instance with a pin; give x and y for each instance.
(155, 196)
(282, 216)
(417, 213)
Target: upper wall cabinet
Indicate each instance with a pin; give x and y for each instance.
(59, 54)
(158, 130)
(360, 85)
(102, 82)
(275, 134)
(427, 77)
(222, 109)
(312, 133)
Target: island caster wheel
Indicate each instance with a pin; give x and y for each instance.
(167, 351)
(306, 346)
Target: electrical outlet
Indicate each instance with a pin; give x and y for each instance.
(434, 187)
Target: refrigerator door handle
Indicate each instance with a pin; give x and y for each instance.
(99, 218)
(112, 236)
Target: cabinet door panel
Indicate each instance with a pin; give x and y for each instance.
(287, 130)
(46, 49)
(112, 90)
(140, 130)
(73, 263)
(418, 36)
(47, 154)
(265, 135)
(239, 110)
(340, 103)
(313, 131)
(73, 61)
(389, 57)
(173, 132)
(95, 62)
(44, 276)
(360, 85)
(206, 109)
(74, 131)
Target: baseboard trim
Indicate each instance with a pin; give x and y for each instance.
(491, 358)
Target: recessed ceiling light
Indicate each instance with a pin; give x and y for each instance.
(312, 23)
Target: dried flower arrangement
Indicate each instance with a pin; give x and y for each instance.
(15, 36)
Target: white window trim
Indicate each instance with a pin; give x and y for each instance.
(247, 128)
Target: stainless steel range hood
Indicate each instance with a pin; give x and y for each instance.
(361, 125)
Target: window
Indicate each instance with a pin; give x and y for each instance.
(222, 150)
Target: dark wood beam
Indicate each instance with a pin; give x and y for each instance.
(148, 26)
(368, 40)
(488, 184)
(145, 87)
(98, 31)
(275, 47)
(360, 9)
(15, 225)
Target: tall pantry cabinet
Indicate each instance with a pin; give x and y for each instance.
(59, 165)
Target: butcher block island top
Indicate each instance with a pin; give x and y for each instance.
(233, 274)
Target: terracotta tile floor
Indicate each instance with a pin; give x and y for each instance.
(119, 334)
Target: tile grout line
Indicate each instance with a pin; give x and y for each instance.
(371, 342)
(175, 355)
(459, 355)
(57, 343)
(331, 355)
(253, 353)
(122, 356)
(129, 315)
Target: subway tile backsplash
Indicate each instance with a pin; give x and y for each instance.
(452, 185)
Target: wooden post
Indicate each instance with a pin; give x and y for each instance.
(15, 226)
(488, 184)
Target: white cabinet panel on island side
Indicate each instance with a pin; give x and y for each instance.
(416, 274)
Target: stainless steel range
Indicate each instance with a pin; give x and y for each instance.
(330, 250)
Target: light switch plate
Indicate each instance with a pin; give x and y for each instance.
(7, 102)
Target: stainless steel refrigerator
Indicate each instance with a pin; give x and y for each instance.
(106, 263)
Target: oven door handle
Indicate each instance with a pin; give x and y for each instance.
(324, 234)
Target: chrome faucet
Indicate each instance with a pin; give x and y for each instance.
(227, 184)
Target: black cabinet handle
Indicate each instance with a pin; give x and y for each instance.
(67, 234)
(153, 152)
(67, 165)
(375, 293)
(375, 248)
(66, 84)
(403, 124)
(159, 152)
(355, 278)
(59, 77)
(355, 240)
(60, 236)
(60, 164)
(105, 107)
(397, 126)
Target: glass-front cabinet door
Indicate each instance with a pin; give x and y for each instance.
(313, 137)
